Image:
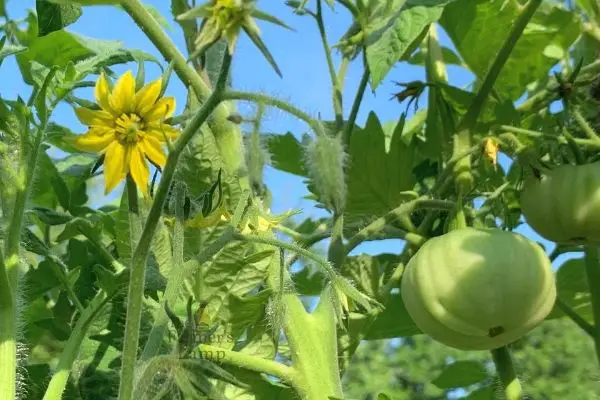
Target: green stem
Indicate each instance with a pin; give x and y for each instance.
(586, 127)
(69, 354)
(376, 227)
(506, 372)
(592, 269)
(341, 75)
(335, 83)
(360, 92)
(548, 94)
(118, 267)
(9, 274)
(138, 262)
(135, 218)
(280, 104)
(227, 134)
(8, 344)
(537, 134)
(313, 347)
(178, 275)
(323, 263)
(578, 319)
(472, 115)
(59, 268)
(247, 361)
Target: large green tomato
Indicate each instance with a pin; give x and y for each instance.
(478, 289)
(564, 204)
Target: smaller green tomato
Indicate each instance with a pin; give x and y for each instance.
(564, 205)
(478, 289)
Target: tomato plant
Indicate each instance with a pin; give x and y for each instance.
(141, 254)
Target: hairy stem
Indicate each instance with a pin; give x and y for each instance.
(506, 372)
(280, 104)
(247, 361)
(360, 92)
(138, 262)
(59, 379)
(335, 83)
(592, 269)
(586, 127)
(538, 134)
(578, 319)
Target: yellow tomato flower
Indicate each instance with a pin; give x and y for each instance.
(128, 129)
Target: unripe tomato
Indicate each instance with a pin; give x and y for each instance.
(478, 289)
(563, 205)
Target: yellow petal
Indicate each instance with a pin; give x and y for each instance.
(122, 98)
(147, 96)
(139, 170)
(159, 131)
(163, 109)
(95, 140)
(153, 150)
(115, 165)
(102, 93)
(94, 117)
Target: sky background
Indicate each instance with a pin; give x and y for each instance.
(305, 83)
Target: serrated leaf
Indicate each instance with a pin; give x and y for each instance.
(573, 289)
(377, 174)
(479, 41)
(393, 322)
(401, 35)
(50, 217)
(286, 153)
(53, 17)
(461, 374)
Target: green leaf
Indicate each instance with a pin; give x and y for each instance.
(309, 281)
(478, 42)
(461, 374)
(403, 33)
(383, 396)
(50, 217)
(53, 17)
(9, 50)
(483, 393)
(364, 271)
(572, 288)
(286, 154)
(378, 173)
(393, 322)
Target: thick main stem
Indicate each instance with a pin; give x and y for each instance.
(140, 255)
(506, 372)
(592, 269)
(9, 276)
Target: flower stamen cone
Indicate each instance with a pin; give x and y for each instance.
(128, 129)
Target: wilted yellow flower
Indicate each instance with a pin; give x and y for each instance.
(490, 150)
(214, 218)
(128, 129)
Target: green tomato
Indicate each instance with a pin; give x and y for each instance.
(563, 205)
(478, 289)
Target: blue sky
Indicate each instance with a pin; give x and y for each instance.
(305, 81)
